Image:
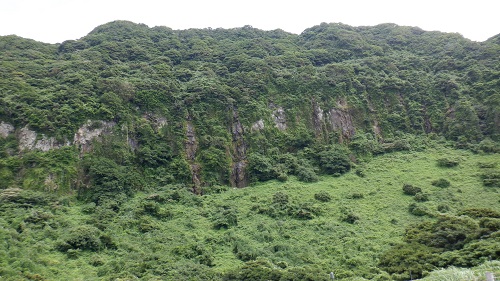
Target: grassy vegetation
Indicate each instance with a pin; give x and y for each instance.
(458, 274)
(338, 224)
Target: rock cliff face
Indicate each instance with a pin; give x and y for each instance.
(278, 116)
(258, 126)
(91, 130)
(157, 121)
(238, 170)
(191, 147)
(341, 121)
(29, 140)
(336, 119)
(318, 119)
(6, 129)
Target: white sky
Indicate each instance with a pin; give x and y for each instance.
(55, 21)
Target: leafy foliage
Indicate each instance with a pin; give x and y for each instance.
(200, 109)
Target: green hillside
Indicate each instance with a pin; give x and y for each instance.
(242, 154)
(348, 225)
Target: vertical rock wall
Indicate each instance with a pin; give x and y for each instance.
(239, 154)
(191, 147)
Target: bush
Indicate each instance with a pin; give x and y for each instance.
(441, 183)
(85, 237)
(402, 259)
(491, 224)
(225, 218)
(409, 189)
(480, 213)
(348, 215)
(261, 168)
(335, 161)
(489, 146)
(306, 174)
(447, 162)
(323, 196)
(491, 178)
(356, 195)
(280, 199)
(418, 210)
(360, 172)
(304, 211)
(443, 208)
(448, 232)
(486, 165)
(421, 197)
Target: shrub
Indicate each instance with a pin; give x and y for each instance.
(323, 196)
(448, 232)
(441, 183)
(306, 174)
(356, 195)
(491, 177)
(360, 173)
(280, 199)
(349, 216)
(304, 211)
(289, 162)
(38, 217)
(489, 146)
(492, 224)
(146, 224)
(486, 165)
(418, 210)
(447, 162)
(244, 252)
(480, 213)
(421, 197)
(409, 189)
(402, 259)
(225, 218)
(84, 237)
(443, 208)
(282, 176)
(261, 168)
(335, 161)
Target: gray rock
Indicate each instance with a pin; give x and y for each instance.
(257, 126)
(6, 129)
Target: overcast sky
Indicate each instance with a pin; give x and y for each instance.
(54, 21)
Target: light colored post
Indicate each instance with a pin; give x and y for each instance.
(332, 276)
(489, 276)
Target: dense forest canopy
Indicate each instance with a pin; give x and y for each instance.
(129, 108)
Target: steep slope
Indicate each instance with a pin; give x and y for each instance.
(107, 138)
(355, 225)
(224, 106)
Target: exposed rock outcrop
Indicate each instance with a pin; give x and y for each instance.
(340, 120)
(278, 116)
(191, 147)
(258, 126)
(318, 118)
(46, 144)
(90, 131)
(6, 129)
(239, 154)
(157, 121)
(28, 140)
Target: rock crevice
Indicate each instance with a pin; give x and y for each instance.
(239, 154)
